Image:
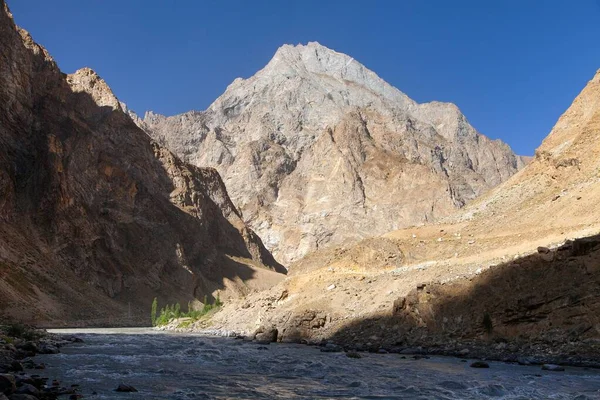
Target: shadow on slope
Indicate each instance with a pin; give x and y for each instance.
(547, 303)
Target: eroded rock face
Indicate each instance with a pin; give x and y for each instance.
(316, 149)
(95, 218)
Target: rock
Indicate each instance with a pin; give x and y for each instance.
(553, 367)
(22, 379)
(313, 112)
(479, 364)
(500, 346)
(28, 346)
(125, 388)
(332, 348)
(28, 389)
(331, 287)
(543, 250)
(16, 366)
(7, 384)
(525, 361)
(22, 397)
(463, 352)
(48, 349)
(411, 350)
(266, 335)
(10, 347)
(353, 354)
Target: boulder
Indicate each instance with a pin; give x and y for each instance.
(266, 335)
(28, 347)
(480, 364)
(7, 384)
(543, 250)
(27, 389)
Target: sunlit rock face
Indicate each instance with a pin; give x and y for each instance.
(316, 149)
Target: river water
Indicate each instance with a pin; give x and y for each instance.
(181, 366)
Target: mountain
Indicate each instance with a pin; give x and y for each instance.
(514, 273)
(97, 219)
(315, 149)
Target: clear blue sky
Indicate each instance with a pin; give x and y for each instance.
(511, 66)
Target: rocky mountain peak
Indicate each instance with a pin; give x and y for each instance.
(316, 62)
(315, 148)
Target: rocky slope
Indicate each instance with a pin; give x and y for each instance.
(316, 149)
(96, 218)
(516, 271)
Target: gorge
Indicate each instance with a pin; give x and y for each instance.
(321, 206)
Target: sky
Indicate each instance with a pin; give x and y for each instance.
(512, 67)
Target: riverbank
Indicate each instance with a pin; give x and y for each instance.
(21, 377)
(489, 349)
(540, 307)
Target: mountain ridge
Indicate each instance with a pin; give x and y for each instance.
(97, 219)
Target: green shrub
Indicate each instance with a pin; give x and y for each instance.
(171, 312)
(153, 311)
(15, 330)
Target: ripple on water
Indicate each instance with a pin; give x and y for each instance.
(164, 366)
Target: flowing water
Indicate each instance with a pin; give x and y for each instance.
(177, 366)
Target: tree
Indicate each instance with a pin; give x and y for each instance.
(153, 311)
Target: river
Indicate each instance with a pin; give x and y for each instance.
(191, 366)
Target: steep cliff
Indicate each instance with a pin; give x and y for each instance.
(316, 149)
(96, 219)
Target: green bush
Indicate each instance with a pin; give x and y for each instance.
(171, 312)
(17, 330)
